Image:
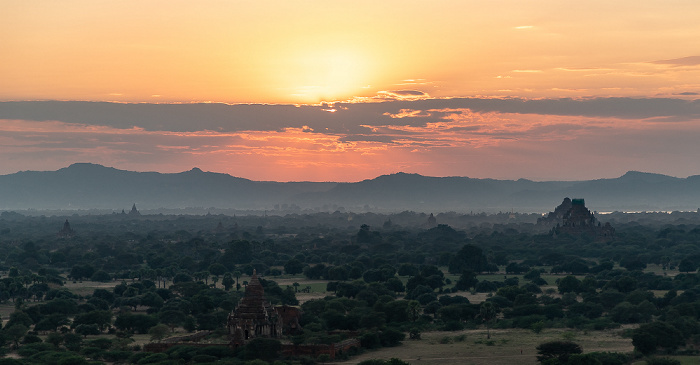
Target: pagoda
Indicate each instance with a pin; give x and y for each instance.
(254, 316)
(66, 231)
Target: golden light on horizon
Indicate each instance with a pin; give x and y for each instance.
(291, 53)
(320, 73)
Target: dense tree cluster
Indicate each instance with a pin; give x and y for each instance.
(387, 276)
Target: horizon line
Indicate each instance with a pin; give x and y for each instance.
(195, 168)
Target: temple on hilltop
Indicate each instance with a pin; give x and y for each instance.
(572, 217)
(256, 317)
(66, 231)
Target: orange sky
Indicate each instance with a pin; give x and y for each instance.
(305, 52)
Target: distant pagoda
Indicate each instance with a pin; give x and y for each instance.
(66, 231)
(134, 212)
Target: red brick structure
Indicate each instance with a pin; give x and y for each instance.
(332, 350)
(290, 318)
(254, 316)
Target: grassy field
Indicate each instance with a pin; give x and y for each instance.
(513, 346)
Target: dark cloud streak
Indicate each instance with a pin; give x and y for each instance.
(350, 118)
(683, 61)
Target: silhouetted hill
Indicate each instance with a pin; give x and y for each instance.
(90, 186)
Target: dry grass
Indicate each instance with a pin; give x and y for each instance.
(507, 347)
(84, 288)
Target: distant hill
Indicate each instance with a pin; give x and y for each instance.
(91, 186)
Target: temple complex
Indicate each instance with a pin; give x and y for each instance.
(572, 217)
(557, 216)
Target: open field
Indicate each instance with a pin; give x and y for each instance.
(513, 346)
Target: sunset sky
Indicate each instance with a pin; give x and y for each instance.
(349, 90)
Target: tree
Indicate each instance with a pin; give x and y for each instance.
(55, 339)
(172, 318)
(469, 257)
(140, 323)
(569, 284)
(293, 267)
(51, 322)
(152, 300)
(262, 348)
(158, 332)
(227, 281)
(466, 280)
(181, 277)
(237, 274)
(101, 276)
(217, 269)
(87, 329)
(487, 312)
(560, 350)
(651, 336)
(687, 265)
(101, 319)
(72, 341)
(16, 332)
(413, 310)
(395, 285)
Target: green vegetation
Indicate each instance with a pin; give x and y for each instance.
(123, 281)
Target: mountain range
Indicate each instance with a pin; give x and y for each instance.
(85, 186)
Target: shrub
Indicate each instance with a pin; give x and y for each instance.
(391, 337)
(452, 326)
(203, 358)
(33, 348)
(648, 337)
(116, 355)
(446, 340)
(152, 358)
(29, 338)
(662, 361)
(560, 350)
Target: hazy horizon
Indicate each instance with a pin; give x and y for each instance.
(332, 181)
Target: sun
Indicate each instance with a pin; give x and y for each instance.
(327, 74)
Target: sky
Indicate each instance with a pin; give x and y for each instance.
(350, 90)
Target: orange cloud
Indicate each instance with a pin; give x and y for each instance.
(437, 141)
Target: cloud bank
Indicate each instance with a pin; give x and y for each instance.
(478, 137)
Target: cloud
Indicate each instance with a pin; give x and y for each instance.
(347, 119)
(459, 136)
(683, 61)
(402, 94)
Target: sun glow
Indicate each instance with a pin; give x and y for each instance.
(329, 74)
